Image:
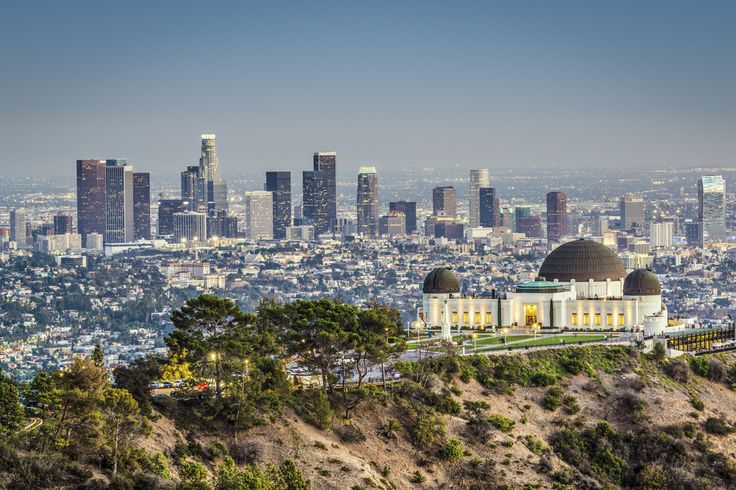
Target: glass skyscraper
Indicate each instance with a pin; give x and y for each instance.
(279, 183)
(479, 178)
(320, 192)
(367, 204)
(712, 208)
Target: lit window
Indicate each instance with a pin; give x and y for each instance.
(586, 319)
(609, 319)
(454, 317)
(597, 318)
(489, 319)
(466, 318)
(620, 319)
(574, 318)
(476, 318)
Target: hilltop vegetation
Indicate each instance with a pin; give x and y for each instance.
(580, 417)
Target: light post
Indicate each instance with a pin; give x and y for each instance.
(505, 332)
(535, 327)
(475, 344)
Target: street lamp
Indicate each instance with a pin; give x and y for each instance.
(505, 332)
(416, 325)
(475, 345)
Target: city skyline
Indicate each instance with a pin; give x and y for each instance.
(514, 85)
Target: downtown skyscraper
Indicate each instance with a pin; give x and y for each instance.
(712, 208)
(367, 201)
(489, 207)
(215, 187)
(444, 202)
(90, 198)
(556, 216)
(319, 192)
(119, 223)
(479, 178)
(142, 206)
(279, 183)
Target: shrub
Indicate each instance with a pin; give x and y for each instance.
(652, 477)
(478, 427)
(678, 371)
(717, 371)
(717, 426)
(553, 399)
(318, 410)
(571, 404)
(443, 403)
(504, 424)
(699, 365)
(535, 445)
(350, 433)
(542, 378)
(417, 478)
(476, 406)
(453, 449)
(697, 403)
(426, 426)
(659, 352)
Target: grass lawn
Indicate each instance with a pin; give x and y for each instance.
(499, 339)
(569, 340)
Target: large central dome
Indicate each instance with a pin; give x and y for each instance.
(582, 260)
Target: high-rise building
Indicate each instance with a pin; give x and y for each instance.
(531, 226)
(141, 206)
(259, 215)
(90, 197)
(279, 183)
(314, 198)
(449, 229)
(63, 224)
(693, 235)
(119, 226)
(166, 210)
(712, 208)
(190, 227)
(222, 225)
(479, 178)
(520, 214)
(632, 212)
(367, 203)
(209, 172)
(320, 193)
(409, 209)
(444, 201)
(18, 226)
(660, 235)
(392, 224)
(556, 215)
(193, 189)
(488, 207)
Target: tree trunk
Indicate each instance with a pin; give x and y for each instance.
(115, 451)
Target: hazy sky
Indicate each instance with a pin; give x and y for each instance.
(397, 84)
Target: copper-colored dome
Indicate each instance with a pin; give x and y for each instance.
(642, 282)
(441, 281)
(582, 260)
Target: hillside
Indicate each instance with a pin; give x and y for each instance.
(658, 437)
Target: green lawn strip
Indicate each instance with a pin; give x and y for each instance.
(569, 340)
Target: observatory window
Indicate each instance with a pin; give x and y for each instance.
(609, 319)
(574, 318)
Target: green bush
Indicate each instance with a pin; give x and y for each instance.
(453, 449)
(553, 399)
(542, 378)
(318, 410)
(700, 365)
(717, 426)
(504, 424)
(697, 403)
(535, 445)
(427, 427)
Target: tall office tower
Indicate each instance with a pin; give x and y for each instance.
(18, 226)
(444, 201)
(505, 216)
(712, 208)
(63, 224)
(392, 224)
(489, 206)
(209, 172)
(142, 206)
(119, 227)
(632, 212)
(520, 214)
(600, 226)
(90, 198)
(326, 162)
(479, 178)
(556, 215)
(279, 183)
(531, 226)
(314, 197)
(190, 227)
(298, 215)
(166, 210)
(193, 189)
(367, 204)
(409, 208)
(660, 235)
(259, 215)
(693, 234)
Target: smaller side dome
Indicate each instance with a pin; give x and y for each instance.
(441, 281)
(642, 282)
